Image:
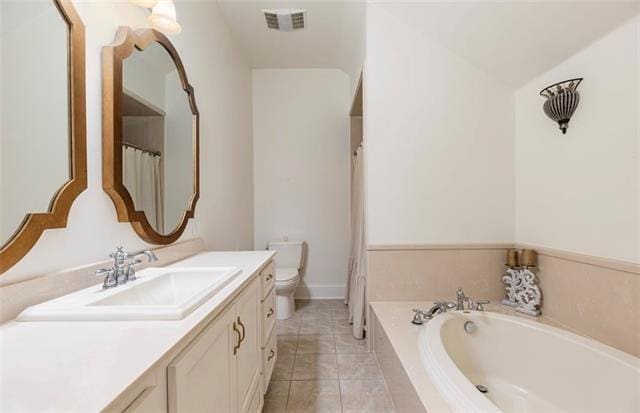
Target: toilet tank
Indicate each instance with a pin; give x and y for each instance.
(289, 253)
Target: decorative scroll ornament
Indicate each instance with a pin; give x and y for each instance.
(528, 295)
(522, 290)
(562, 101)
(512, 285)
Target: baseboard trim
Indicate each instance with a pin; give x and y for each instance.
(320, 292)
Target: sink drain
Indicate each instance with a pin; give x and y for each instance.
(481, 388)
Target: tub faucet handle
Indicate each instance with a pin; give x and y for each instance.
(417, 317)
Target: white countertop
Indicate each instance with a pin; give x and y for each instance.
(83, 366)
(395, 318)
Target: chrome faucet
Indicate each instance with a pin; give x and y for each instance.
(440, 307)
(443, 307)
(123, 271)
(461, 299)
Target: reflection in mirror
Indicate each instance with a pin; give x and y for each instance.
(157, 138)
(34, 110)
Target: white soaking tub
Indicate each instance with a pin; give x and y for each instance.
(525, 366)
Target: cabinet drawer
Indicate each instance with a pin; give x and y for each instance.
(269, 357)
(257, 400)
(268, 315)
(268, 278)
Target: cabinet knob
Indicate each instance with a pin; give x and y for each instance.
(270, 276)
(271, 355)
(270, 312)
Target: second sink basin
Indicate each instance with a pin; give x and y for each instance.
(157, 294)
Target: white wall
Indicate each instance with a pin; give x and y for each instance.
(439, 142)
(301, 169)
(580, 192)
(222, 81)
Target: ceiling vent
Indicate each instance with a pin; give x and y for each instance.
(284, 20)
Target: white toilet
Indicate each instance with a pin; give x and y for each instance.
(289, 260)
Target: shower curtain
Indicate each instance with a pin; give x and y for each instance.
(143, 178)
(355, 294)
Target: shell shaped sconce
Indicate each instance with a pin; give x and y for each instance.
(562, 101)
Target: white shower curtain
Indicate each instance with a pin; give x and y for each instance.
(355, 294)
(143, 178)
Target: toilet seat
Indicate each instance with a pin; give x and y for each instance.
(286, 274)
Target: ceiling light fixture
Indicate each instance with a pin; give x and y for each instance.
(562, 101)
(163, 17)
(147, 4)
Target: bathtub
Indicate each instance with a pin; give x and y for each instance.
(526, 366)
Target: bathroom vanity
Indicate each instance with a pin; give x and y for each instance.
(219, 357)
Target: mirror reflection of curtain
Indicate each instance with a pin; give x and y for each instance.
(355, 294)
(143, 179)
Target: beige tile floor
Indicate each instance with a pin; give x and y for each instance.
(321, 367)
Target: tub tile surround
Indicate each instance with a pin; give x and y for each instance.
(16, 297)
(601, 303)
(63, 351)
(329, 372)
(593, 296)
(435, 272)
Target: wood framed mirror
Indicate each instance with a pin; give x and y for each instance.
(150, 140)
(42, 121)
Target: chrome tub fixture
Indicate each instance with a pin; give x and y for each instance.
(562, 101)
(444, 306)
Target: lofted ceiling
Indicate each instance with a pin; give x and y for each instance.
(515, 40)
(332, 29)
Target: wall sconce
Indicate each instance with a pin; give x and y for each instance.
(562, 101)
(147, 4)
(163, 15)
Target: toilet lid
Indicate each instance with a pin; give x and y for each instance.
(286, 274)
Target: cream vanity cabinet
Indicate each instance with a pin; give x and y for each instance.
(220, 370)
(268, 336)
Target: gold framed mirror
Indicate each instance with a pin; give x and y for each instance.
(42, 121)
(150, 139)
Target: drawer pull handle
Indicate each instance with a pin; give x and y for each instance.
(270, 312)
(243, 331)
(237, 346)
(271, 355)
(270, 276)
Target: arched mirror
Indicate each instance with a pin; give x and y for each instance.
(150, 135)
(42, 121)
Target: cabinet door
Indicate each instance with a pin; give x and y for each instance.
(248, 358)
(200, 378)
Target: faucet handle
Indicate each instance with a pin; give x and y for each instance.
(417, 317)
(480, 304)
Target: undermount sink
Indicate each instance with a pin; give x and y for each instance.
(156, 294)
